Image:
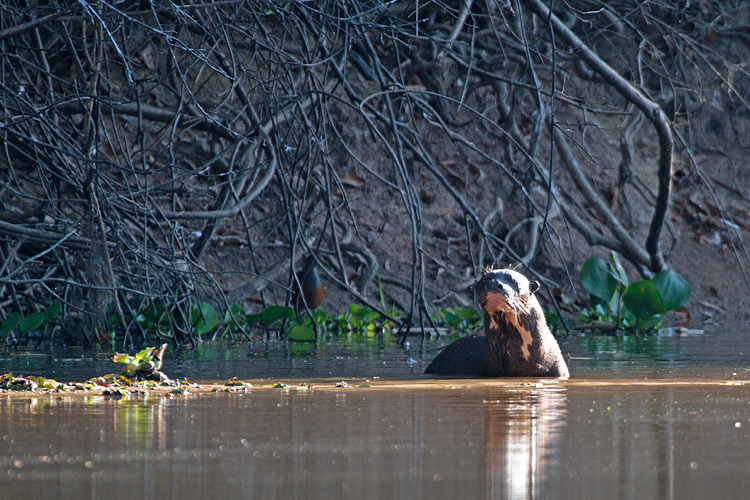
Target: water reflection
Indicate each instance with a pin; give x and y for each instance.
(523, 428)
(285, 444)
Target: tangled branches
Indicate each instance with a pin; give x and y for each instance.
(198, 152)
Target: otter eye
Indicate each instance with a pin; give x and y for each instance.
(533, 286)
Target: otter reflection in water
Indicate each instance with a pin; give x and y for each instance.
(517, 341)
(523, 430)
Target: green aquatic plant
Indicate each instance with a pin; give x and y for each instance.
(357, 319)
(157, 322)
(640, 305)
(459, 319)
(145, 362)
(238, 322)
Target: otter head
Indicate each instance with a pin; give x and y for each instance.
(517, 341)
(513, 317)
(505, 291)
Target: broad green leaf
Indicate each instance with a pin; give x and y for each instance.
(112, 321)
(651, 322)
(164, 325)
(643, 300)
(674, 290)
(301, 333)
(52, 310)
(254, 318)
(32, 322)
(597, 303)
(597, 279)
(233, 310)
(356, 310)
(9, 323)
(585, 316)
(355, 321)
(235, 317)
(203, 317)
(271, 314)
(153, 312)
(600, 309)
(371, 316)
(341, 321)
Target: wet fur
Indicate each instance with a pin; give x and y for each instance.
(517, 341)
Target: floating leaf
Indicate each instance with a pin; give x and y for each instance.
(674, 290)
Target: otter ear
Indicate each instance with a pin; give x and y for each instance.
(533, 286)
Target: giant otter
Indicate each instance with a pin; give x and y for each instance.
(517, 341)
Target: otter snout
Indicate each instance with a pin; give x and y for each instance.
(504, 290)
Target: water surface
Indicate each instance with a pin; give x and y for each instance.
(642, 417)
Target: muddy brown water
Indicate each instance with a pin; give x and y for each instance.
(642, 417)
